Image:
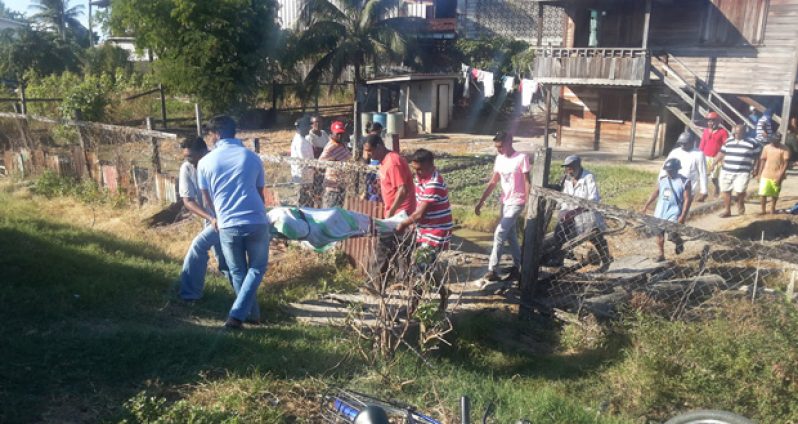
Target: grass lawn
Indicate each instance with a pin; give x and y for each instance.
(92, 332)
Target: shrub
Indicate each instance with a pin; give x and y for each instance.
(743, 360)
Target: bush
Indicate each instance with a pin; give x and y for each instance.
(50, 185)
(743, 360)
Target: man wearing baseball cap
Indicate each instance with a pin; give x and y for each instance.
(335, 151)
(694, 164)
(574, 221)
(712, 139)
(674, 196)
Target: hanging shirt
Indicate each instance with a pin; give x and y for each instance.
(508, 83)
(671, 197)
(467, 77)
(528, 89)
(486, 78)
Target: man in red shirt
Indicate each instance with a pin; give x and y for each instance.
(396, 185)
(713, 138)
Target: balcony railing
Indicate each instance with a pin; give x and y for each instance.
(592, 66)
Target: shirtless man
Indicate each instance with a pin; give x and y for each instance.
(771, 172)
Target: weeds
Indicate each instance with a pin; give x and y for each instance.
(50, 185)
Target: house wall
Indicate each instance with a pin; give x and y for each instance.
(423, 105)
(763, 68)
(516, 19)
(581, 119)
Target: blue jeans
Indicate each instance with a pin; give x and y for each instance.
(192, 278)
(506, 231)
(246, 248)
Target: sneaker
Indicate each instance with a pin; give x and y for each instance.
(233, 324)
(679, 247)
(491, 276)
(515, 274)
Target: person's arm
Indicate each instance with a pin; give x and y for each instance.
(785, 163)
(489, 189)
(196, 209)
(401, 193)
(208, 201)
(650, 200)
(592, 189)
(718, 160)
(421, 209)
(686, 202)
(760, 166)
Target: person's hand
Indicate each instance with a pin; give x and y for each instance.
(644, 210)
(215, 224)
(681, 219)
(402, 225)
(478, 209)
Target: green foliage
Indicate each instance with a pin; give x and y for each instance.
(744, 361)
(155, 410)
(213, 50)
(25, 50)
(352, 33)
(50, 185)
(107, 60)
(497, 54)
(57, 15)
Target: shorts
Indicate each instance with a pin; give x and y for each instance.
(768, 188)
(714, 174)
(734, 181)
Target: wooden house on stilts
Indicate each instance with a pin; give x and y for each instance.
(632, 74)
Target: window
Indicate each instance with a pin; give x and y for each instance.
(734, 22)
(615, 106)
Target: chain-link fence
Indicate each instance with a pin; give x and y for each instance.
(598, 259)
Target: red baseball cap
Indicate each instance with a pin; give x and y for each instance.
(712, 115)
(337, 127)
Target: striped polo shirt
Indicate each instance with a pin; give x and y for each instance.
(739, 156)
(335, 152)
(435, 227)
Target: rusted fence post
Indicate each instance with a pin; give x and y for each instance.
(156, 153)
(534, 231)
(256, 145)
(83, 144)
(163, 105)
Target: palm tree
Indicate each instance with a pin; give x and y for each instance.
(57, 14)
(356, 33)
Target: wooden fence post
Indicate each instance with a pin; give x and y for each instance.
(22, 99)
(533, 232)
(198, 116)
(163, 105)
(256, 143)
(156, 153)
(83, 144)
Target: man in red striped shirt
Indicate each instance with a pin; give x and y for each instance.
(433, 215)
(433, 221)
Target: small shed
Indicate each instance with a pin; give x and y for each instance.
(426, 100)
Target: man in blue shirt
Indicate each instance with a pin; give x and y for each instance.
(231, 178)
(674, 196)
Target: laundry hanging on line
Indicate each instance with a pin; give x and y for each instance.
(467, 76)
(528, 89)
(508, 83)
(486, 78)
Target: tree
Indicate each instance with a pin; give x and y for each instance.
(57, 14)
(353, 33)
(10, 14)
(213, 50)
(41, 52)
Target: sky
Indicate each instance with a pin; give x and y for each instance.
(22, 6)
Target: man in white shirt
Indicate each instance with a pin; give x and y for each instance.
(694, 164)
(317, 137)
(573, 220)
(300, 174)
(512, 171)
